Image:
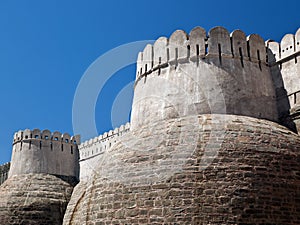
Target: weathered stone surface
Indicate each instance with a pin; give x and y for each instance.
(44, 152)
(205, 169)
(220, 75)
(190, 156)
(34, 199)
(4, 169)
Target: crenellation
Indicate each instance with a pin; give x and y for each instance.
(91, 150)
(219, 42)
(239, 45)
(205, 144)
(283, 59)
(36, 151)
(256, 48)
(273, 48)
(233, 63)
(103, 141)
(287, 45)
(45, 135)
(160, 56)
(178, 47)
(197, 45)
(197, 39)
(288, 48)
(139, 61)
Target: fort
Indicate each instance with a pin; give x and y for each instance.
(213, 139)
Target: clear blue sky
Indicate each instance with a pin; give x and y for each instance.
(46, 46)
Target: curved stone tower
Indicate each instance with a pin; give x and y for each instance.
(45, 152)
(195, 74)
(44, 169)
(205, 145)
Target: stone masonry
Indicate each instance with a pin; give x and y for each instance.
(213, 139)
(4, 169)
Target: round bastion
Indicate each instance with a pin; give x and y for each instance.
(201, 73)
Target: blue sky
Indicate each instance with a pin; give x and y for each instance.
(46, 46)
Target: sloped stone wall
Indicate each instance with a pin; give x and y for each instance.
(206, 169)
(34, 199)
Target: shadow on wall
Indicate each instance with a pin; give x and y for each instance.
(283, 103)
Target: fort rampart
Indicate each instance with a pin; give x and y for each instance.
(45, 152)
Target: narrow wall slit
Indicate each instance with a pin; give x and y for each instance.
(259, 61)
(176, 57)
(168, 55)
(159, 62)
(220, 53)
(241, 57)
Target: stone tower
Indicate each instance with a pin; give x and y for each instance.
(45, 152)
(206, 143)
(44, 169)
(285, 68)
(196, 74)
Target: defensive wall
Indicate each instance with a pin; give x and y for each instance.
(185, 164)
(284, 60)
(90, 151)
(45, 152)
(199, 73)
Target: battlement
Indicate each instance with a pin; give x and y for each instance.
(98, 145)
(288, 47)
(37, 134)
(200, 73)
(36, 151)
(182, 47)
(285, 55)
(284, 63)
(90, 151)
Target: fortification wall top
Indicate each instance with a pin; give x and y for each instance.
(285, 55)
(45, 135)
(200, 73)
(99, 144)
(289, 46)
(36, 151)
(182, 47)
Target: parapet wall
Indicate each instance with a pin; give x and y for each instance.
(4, 169)
(199, 73)
(45, 152)
(181, 47)
(90, 151)
(284, 60)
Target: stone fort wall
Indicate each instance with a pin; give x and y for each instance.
(199, 73)
(4, 169)
(284, 60)
(253, 178)
(91, 151)
(45, 152)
